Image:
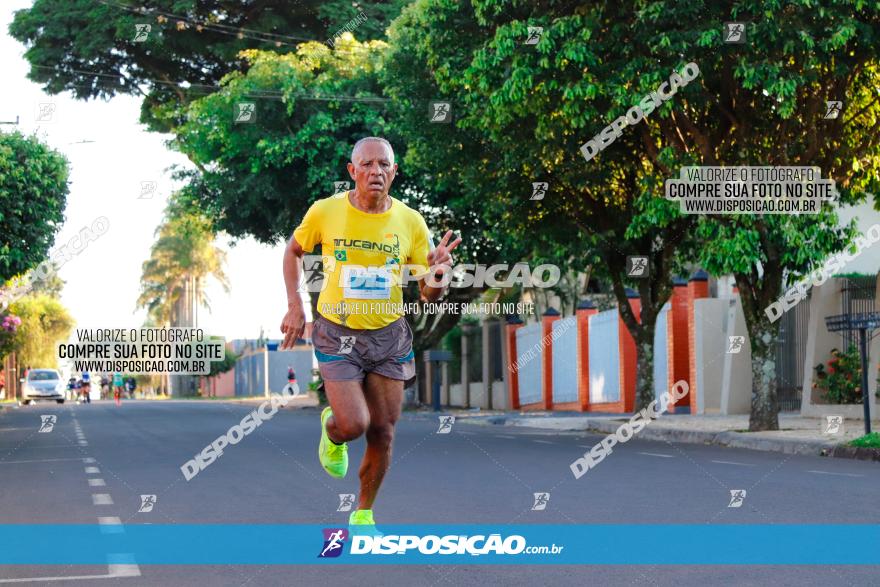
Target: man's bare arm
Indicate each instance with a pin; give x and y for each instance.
(294, 321)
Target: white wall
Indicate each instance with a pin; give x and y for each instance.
(865, 215)
(604, 357)
(710, 347)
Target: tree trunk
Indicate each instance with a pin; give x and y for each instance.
(755, 295)
(765, 407)
(645, 368)
(641, 328)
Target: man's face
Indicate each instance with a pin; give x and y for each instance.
(373, 169)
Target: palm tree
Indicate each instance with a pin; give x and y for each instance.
(182, 258)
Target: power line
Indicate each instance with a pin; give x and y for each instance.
(209, 89)
(239, 32)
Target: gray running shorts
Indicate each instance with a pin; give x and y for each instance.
(346, 354)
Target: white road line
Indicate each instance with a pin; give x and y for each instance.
(656, 454)
(111, 525)
(68, 578)
(92, 470)
(88, 460)
(503, 436)
(839, 474)
(124, 570)
(102, 499)
(114, 571)
(543, 441)
(586, 445)
(733, 463)
(36, 461)
(83, 443)
(97, 483)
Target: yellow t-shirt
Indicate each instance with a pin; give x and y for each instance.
(363, 256)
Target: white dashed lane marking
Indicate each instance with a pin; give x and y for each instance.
(656, 454)
(838, 474)
(37, 461)
(733, 463)
(102, 499)
(111, 525)
(114, 571)
(97, 483)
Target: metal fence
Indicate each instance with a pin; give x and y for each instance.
(474, 336)
(496, 340)
(857, 297)
(791, 354)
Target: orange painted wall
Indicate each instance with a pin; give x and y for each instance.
(678, 341)
(628, 358)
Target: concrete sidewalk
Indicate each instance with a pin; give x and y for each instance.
(308, 400)
(796, 434)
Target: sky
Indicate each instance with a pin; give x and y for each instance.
(103, 281)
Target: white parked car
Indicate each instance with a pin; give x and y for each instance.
(43, 384)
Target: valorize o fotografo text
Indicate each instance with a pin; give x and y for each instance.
(143, 350)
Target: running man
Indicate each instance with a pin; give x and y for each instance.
(86, 387)
(117, 388)
(365, 354)
(292, 387)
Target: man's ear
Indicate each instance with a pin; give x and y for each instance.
(350, 167)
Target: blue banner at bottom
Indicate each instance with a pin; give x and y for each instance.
(630, 544)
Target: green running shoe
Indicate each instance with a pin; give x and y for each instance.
(361, 522)
(333, 457)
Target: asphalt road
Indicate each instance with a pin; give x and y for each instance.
(475, 474)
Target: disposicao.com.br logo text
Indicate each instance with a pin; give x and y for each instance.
(493, 544)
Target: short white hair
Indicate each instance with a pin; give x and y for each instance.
(368, 139)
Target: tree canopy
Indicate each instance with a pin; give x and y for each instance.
(92, 47)
(45, 323)
(33, 194)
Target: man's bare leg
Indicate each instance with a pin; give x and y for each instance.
(384, 398)
(350, 414)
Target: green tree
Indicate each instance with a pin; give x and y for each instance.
(760, 104)
(521, 114)
(226, 365)
(33, 193)
(51, 284)
(259, 179)
(45, 323)
(88, 47)
(182, 258)
(765, 105)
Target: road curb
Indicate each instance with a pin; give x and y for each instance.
(724, 438)
(856, 452)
